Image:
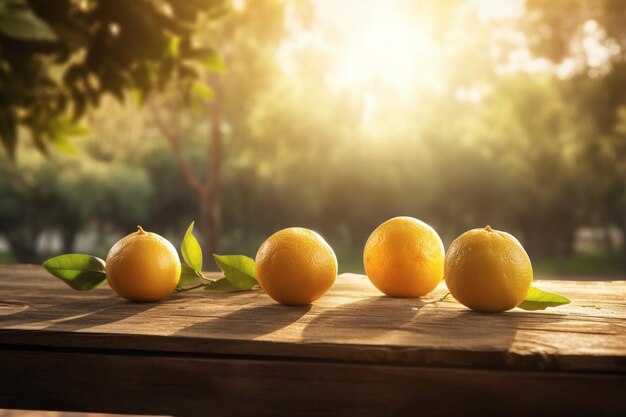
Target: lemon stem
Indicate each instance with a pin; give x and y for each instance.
(140, 231)
(488, 228)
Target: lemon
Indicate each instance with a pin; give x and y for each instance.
(488, 270)
(404, 257)
(143, 266)
(296, 266)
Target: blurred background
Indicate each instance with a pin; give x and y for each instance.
(250, 116)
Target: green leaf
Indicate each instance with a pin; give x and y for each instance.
(18, 21)
(203, 91)
(63, 145)
(138, 97)
(192, 252)
(212, 61)
(540, 300)
(81, 272)
(238, 269)
(67, 127)
(174, 45)
(222, 284)
(60, 130)
(188, 276)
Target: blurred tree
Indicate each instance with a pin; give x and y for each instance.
(275, 143)
(246, 38)
(533, 140)
(61, 57)
(122, 135)
(65, 195)
(172, 207)
(590, 37)
(554, 27)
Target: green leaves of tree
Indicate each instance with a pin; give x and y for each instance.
(203, 91)
(212, 61)
(537, 299)
(149, 49)
(81, 272)
(18, 21)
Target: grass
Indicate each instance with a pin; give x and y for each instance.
(587, 264)
(6, 258)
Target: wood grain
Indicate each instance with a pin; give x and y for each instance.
(353, 323)
(353, 351)
(203, 386)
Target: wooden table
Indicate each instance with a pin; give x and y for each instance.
(354, 352)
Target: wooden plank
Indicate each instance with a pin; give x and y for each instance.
(200, 385)
(353, 323)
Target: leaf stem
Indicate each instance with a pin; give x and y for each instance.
(191, 288)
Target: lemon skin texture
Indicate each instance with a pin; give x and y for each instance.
(404, 257)
(143, 266)
(295, 266)
(488, 270)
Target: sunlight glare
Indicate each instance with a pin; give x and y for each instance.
(498, 9)
(388, 52)
(382, 44)
(239, 5)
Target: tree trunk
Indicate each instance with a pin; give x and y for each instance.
(23, 245)
(531, 242)
(215, 180)
(206, 228)
(567, 237)
(607, 242)
(212, 213)
(209, 188)
(68, 237)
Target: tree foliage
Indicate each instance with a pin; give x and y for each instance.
(59, 58)
(67, 195)
(538, 154)
(595, 91)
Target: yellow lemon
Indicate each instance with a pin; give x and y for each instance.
(143, 266)
(296, 266)
(488, 270)
(404, 257)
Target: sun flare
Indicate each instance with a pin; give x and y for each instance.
(382, 46)
(386, 45)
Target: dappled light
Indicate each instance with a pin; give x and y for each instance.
(323, 114)
(313, 207)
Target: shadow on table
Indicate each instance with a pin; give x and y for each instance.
(78, 315)
(367, 318)
(248, 322)
(494, 340)
(434, 333)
